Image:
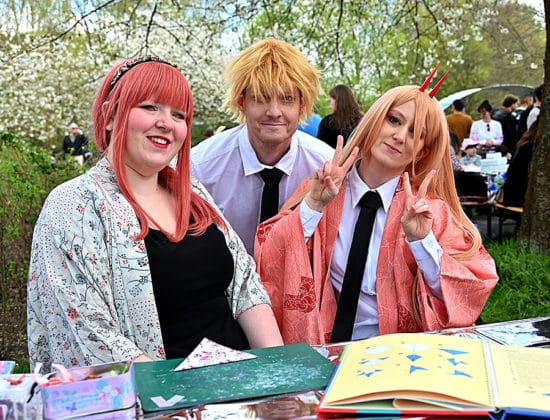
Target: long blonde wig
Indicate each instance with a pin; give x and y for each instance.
(430, 121)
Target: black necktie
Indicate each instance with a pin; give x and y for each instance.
(270, 194)
(351, 286)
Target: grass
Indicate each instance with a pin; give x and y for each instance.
(523, 290)
(22, 367)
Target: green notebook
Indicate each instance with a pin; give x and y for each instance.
(275, 370)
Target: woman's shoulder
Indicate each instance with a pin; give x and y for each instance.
(67, 192)
(199, 188)
(326, 120)
(95, 179)
(96, 188)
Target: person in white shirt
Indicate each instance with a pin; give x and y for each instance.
(535, 111)
(486, 131)
(425, 268)
(271, 88)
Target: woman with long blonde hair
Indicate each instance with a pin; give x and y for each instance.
(425, 267)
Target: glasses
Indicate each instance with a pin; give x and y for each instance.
(488, 127)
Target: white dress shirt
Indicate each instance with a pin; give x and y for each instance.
(228, 167)
(532, 117)
(427, 251)
(482, 131)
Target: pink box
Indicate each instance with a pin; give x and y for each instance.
(108, 388)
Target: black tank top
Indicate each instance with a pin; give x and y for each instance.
(190, 279)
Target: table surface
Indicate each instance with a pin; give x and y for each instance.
(525, 332)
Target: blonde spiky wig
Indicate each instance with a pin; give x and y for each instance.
(269, 66)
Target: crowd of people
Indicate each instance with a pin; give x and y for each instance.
(508, 130)
(322, 229)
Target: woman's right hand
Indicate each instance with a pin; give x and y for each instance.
(328, 179)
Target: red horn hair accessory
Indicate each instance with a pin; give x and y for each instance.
(429, 79)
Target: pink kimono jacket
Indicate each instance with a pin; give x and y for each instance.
(296, 274)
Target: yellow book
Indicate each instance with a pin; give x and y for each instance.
(431, 373)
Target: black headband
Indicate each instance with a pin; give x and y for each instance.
(134, 62)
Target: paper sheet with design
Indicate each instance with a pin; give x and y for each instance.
(523, 377)
(208, 353)
(415, 365)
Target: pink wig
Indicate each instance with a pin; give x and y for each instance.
(127, 84)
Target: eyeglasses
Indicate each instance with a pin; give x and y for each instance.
(488, 127)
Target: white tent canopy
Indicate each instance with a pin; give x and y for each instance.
(516, 89)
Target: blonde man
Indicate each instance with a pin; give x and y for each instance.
(271, 88)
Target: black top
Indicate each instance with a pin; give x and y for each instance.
(517, 175)
(190, 279)
(509, 128)
(328, 132)
(76, 148)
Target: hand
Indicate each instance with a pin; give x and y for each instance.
(417, 219)
(328, 179)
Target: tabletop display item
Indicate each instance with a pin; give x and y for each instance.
(91, 390)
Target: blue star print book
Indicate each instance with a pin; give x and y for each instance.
(430, 374)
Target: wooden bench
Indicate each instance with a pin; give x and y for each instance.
(507, 213)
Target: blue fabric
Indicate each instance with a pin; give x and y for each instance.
(311, 125)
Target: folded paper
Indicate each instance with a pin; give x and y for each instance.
(209, 353)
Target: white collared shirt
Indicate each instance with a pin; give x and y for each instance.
(427, 251)
(229, 169)
(482, 131)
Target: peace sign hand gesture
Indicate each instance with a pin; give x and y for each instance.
(328, 179)
(417, 219)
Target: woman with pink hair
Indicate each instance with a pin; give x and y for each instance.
(425, 267)
(121, 263)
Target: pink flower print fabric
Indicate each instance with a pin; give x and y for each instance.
(209, 353)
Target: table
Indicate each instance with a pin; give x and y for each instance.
(525, 332)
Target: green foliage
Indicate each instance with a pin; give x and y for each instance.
(523, 290)
(26, 177)
(22, 367)
(373, 46)
(53, 54)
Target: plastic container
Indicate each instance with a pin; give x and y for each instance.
(101, 391)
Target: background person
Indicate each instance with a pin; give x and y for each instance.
(121, 261)
(470, 158)
(271, 88)
(517, 176)
(537, 102)
(486, 131)
(525, 118)
(526, 102)
(310, 125)
(74, 143)
(505, 115)
(459, 122)
(426, 268)
(346, 114)
(209, 132)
